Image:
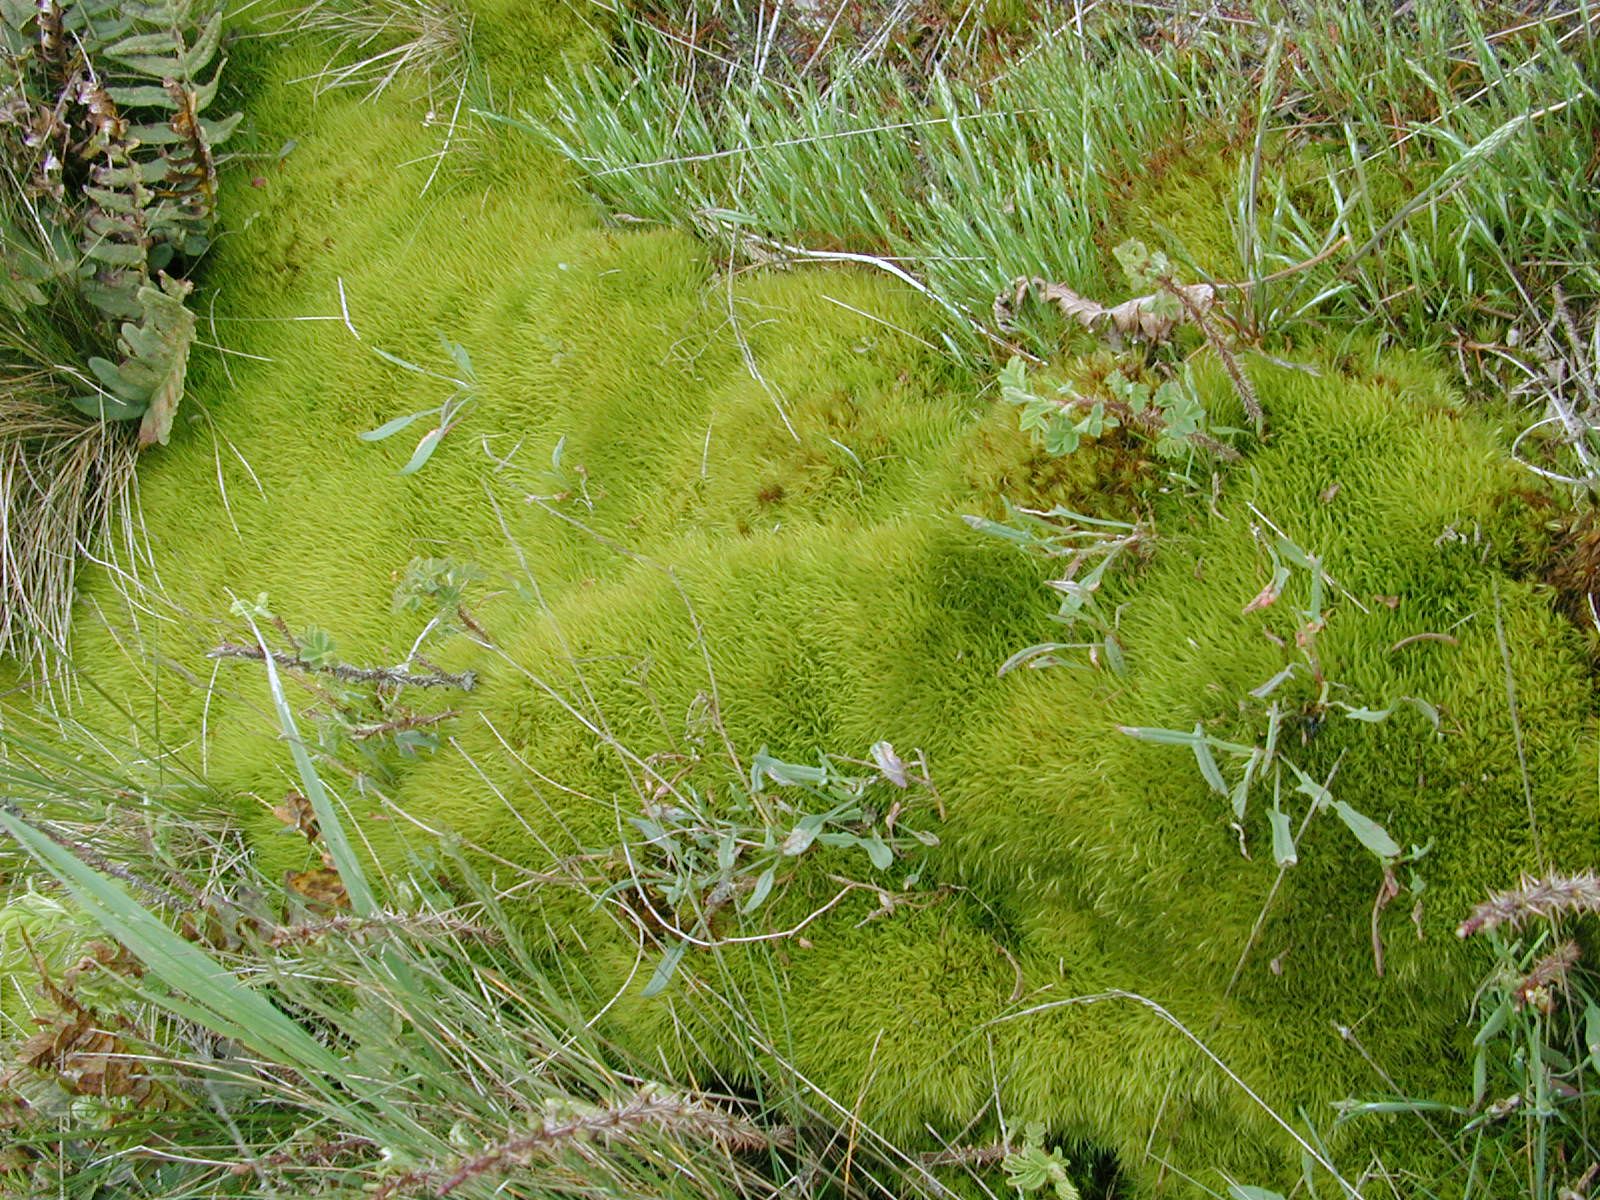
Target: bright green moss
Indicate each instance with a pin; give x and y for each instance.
(842, 601)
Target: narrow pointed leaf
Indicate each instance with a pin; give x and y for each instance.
(762, 889)
(1368, 832)
(1209, 770)
(390, 428)
(362, 900)
(1283, 850)
(424, 451)
(221, 1000)
(665, 969)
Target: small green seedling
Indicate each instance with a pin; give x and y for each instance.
(698, 854)
(446, 416)
(1084, 542)
(1032, 1168)
(1169, 416)
(1232, 769)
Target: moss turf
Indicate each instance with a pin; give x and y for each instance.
(843, 601)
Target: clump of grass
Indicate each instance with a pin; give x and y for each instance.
(107, 199)
(66, 478)
(372, 43)
(64, 490)
(1426, 138)
(1526, 1127)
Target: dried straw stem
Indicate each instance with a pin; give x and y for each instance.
(63, 482)
(648, 1111)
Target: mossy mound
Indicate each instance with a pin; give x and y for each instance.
(822, 582)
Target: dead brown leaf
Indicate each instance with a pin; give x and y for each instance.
(1148, 317)
(320, 887)
(103, 956)
(296, 812)
(84, 1058)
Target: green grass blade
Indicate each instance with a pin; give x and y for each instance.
(217, 997)
(362, 900)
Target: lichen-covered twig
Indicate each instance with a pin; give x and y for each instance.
(400, 676)
(966, 1156)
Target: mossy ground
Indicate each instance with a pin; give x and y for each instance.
(843, 601)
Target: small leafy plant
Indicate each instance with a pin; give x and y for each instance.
(445, 417)
(1084, 542)
(357, 713)
(1033, 1169)
(1169, 416)
(701, 856)
(1267, 763)
(437, 588)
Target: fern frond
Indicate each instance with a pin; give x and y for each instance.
(191, 172)
(108, 142)
(148, 382)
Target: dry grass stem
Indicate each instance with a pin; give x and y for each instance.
(1543, 898)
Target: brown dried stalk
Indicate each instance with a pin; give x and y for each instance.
(648, 1110)
(315, 1154)
(1548, 975)
(192, 175)
(401, 724)
(64, 487)
(1230, 361)
(1542, 898)
(966, 1156)
(54, 46)
(418, 925)
(108, 128)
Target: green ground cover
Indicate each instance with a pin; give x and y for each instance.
(711, 515)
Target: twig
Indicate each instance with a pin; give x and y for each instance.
(965, 1156)
(401, 724)
(437, 924)
(351, 674)
(101, 863)
(890, 267)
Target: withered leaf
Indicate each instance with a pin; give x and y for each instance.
(1151, 317)
(320, 887)
(83, 1057)
(103, 956)
(297, 813)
